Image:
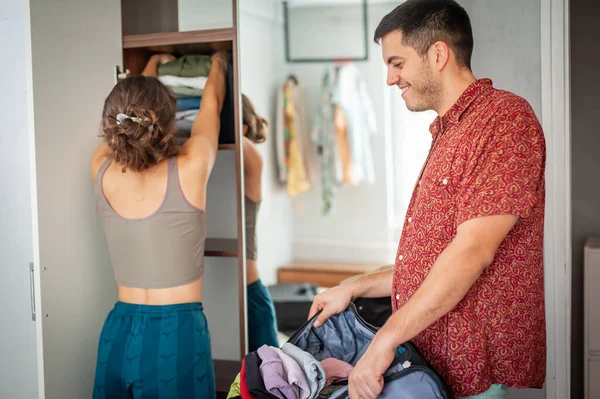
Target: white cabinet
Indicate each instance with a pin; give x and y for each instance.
(74, 48)
(18, 359)
(55, 76)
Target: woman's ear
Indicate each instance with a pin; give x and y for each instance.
(245, 129)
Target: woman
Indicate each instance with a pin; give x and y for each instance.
(262, 324)
(151, 196)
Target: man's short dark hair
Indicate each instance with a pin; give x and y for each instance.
(424, 22)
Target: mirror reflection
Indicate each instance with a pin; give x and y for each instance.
(346, 143)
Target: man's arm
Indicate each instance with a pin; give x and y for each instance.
(375, 284)
(354, 278)
(452, 275)
(335, 300)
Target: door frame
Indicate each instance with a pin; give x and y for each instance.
(556, 123)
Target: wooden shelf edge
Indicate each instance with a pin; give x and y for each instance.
(221, 248)
(226, 147)
(174, 38)
(219, 254)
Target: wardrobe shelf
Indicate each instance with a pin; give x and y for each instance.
(178, 38)
(226, 147)
(221, 247)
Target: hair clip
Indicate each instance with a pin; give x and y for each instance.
(121, 117)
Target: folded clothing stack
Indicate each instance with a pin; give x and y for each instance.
(186, 77)
(289, 373)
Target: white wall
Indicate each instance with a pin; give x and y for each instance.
(359, 231)
(340, 31)
(507, 46)
(261, 62)
(18, 358)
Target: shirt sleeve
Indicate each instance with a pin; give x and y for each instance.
(506, 172)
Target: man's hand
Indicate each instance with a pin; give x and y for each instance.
(366, 379)
(333, 301)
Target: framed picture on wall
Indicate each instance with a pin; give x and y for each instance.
(342, 33)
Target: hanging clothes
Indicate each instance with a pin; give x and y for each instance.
(292, 140)
(343, 145)
(324, 137)
(342, 130)
(351, 94)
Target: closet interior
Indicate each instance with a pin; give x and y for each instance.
(153, 27)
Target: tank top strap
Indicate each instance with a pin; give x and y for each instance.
(175, 199)
(100, 175)
(173, 172)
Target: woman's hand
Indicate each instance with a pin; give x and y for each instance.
(220, 56)
(163, 58)
(151, 68)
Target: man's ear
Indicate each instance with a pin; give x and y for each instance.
(439, 54)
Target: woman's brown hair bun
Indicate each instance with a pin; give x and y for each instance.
(138, 123)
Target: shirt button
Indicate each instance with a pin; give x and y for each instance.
(397, 297)
(445, 181)
(399, 257)
(419, 182)
(410, 220)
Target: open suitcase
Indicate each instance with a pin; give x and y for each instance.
(346, 336)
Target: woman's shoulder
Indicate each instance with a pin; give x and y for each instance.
(100, 156)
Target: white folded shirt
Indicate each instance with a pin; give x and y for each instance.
(197, 82)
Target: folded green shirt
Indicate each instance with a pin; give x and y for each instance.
(188, 66)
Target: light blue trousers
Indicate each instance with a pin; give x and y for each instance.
(496, 391)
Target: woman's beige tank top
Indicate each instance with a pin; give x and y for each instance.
(165, 249)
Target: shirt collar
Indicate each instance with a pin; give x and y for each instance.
(460, 106)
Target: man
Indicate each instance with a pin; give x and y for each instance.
(467, 285)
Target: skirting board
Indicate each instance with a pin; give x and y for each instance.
(344, 251)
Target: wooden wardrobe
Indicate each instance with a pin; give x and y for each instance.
(153, 27)
(76, 51)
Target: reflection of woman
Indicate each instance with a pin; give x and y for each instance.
(150, 196)
(262, 325)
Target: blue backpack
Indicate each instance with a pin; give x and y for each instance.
(346, 336)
